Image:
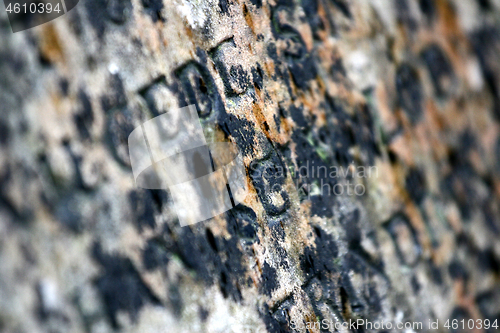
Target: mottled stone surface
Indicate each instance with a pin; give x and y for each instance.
(410, 89)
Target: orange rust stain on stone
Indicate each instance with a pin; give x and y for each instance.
(449, 23)
(189, 32)
(261, 120)
(464, 298)
(248, 18)
(50, 46)
(401, 146)
(389, 120)
(269, 65)
(418, 224)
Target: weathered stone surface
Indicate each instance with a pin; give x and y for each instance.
(408, 90)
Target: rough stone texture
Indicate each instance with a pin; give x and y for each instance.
(409, 87)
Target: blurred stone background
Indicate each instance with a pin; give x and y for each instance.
(409, 87)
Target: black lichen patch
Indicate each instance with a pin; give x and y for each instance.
(154, 8)
(4, 133)
(203, 313)
(232, 271)
(100, 12)
(199, 88)
(155, 255)
(274, 324)
(84, 117)
(488, 305)
(488, 261)
(367, 301)
(457, 271)
(459, 314)
(362, 126)
(311, 10)
(415, 285)
(160, 198)
(319, 261)
(490, 217)
(272, 52)
(257, 3)
(175, 300)
(120, 286)
(119, 10)
(357, 256)
(96, 15)
(486, 43)
(235, 78)
(269, 279)
(249, 231)
(415, 185)
(322, 205)
(239, 76)
(142, 206)
(468, 144)
(303, 71)
(410, 92)
(350, 222)
(311, 171)
(241, 130)
(351, 304)
(337, 70)
(441, 70)
(460, 185)
(301, 64)
(436, 274)
(297, 114)
(201, 251)
(373, 298)
(428, 8)
(119, 126)
(196, 253)
(339, 134)
(64, 86)
(115, 95)
(224, 6)
(75, 22)
(497, 153)
(485, 4)
(404, 15)
(257, 77)
(69, 215)
(242, 223)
